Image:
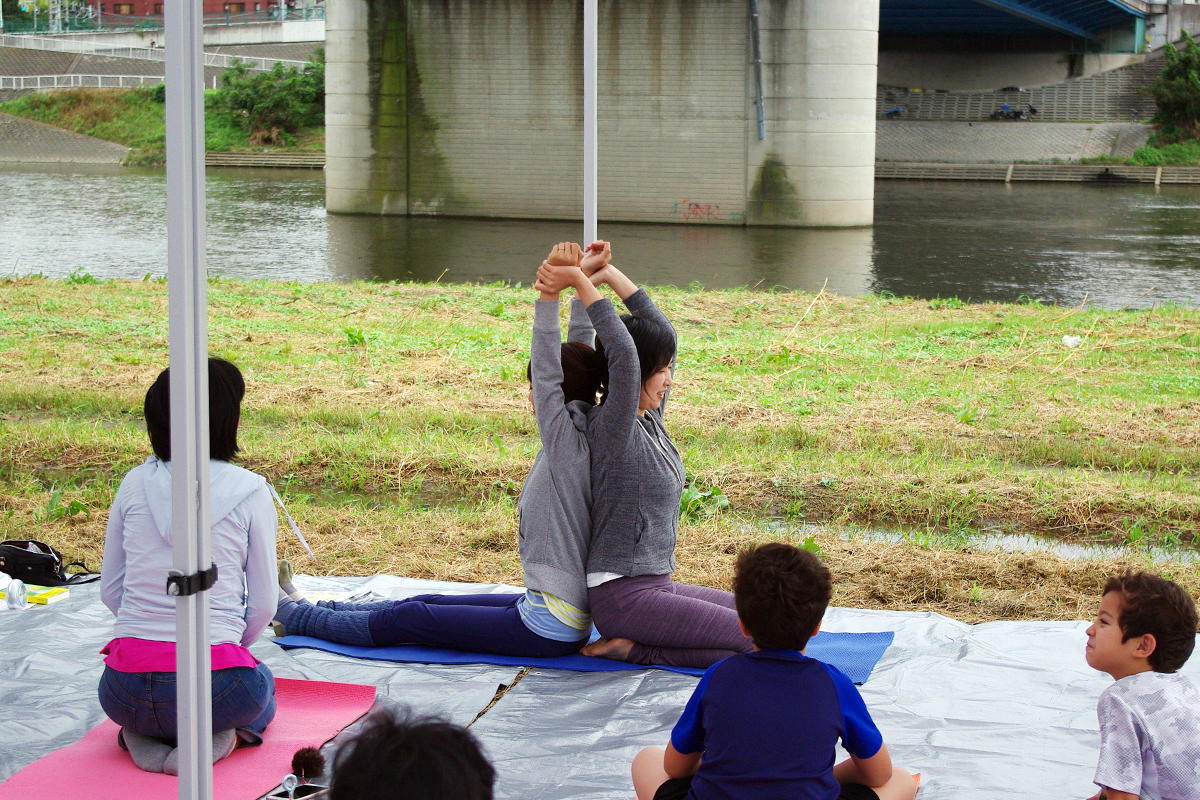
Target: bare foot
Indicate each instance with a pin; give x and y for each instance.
(565, 254)
(616, 649)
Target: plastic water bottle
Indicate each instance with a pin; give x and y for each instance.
(14, 595)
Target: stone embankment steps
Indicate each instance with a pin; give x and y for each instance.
(1068, 173)
(276, 160)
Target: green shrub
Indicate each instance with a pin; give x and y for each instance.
(1176, 91)
(135, 117)
(1180, 154)
(272, 104)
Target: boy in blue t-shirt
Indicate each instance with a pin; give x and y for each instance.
(764, 725)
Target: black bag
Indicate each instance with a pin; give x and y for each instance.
(39, 564)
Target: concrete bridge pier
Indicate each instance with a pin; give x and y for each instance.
(350, 117)
(474, 108)
(819, 77)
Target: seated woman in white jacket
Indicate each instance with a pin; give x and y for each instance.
(137, 689)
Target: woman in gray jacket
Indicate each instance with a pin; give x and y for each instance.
(551, 618)
(637, 483)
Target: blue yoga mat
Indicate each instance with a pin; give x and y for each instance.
(855, 654)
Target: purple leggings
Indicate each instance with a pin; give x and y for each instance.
(673, 624)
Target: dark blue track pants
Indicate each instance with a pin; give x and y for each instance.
(476, 623)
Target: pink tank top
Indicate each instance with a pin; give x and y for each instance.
(142, 655)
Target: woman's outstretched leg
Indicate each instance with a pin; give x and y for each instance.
(492, 626)
(668, 626)
(495, 600)
(717, 597)
(350, 626)
(486, 628)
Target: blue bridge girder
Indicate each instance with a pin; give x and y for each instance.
(1084, 19)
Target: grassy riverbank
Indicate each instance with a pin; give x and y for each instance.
(1159, 151)
(394, 419)
(136, 119)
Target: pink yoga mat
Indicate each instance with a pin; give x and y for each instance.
(310, 713)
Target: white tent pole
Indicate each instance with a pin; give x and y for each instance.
(188, 307)
(591, 27)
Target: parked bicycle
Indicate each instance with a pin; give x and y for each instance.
(1008, 112)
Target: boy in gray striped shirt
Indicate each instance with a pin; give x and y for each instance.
(1144, 632)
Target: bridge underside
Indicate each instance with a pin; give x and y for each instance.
(1063, 26)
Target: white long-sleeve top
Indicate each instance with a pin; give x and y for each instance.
(138, 555)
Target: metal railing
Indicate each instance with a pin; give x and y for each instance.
(45, 25)
(47, 83)
(154, 22)
(129, 22)
(143, 53)
(269, 15)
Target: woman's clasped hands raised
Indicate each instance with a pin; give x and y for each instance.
(570, 266)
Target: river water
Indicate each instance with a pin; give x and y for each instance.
(1117, 245)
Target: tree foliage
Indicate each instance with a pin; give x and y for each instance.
(273, 104)
(1176, 91)
(12, 10)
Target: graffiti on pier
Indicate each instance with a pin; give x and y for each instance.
(690, 211)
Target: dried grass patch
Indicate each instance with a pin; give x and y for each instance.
(480, 546)
(969, 586)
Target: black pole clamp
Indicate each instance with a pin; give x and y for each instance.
(180, 585)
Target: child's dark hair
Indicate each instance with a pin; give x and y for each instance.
(655, 345)
(398, 758)
(1152, 604)
(781, 593)
(583, 372)
(226, 388)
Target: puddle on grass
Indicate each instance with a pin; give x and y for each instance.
(995, 541)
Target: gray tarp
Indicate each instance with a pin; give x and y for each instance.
(1003, 709)
(1000, 709)
(565, 735)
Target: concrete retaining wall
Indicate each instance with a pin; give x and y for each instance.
(1169, 27)
(474, 107)
(964, 72)
(1005, 142)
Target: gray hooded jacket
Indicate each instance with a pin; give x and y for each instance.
(138, 554)
(637, 473)
(555, 503)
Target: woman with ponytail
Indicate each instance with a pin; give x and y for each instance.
(637, 484)
(552, 617)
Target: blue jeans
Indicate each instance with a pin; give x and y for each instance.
(144, 702)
